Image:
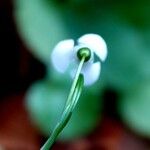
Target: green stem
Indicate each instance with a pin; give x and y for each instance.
(76, 79)
(72, 100)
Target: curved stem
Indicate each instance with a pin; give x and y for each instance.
(72, 100)
(75, 79)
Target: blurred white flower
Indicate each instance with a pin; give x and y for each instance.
(64, 56)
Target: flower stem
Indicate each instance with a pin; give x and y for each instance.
(72, 100)
(76, 79)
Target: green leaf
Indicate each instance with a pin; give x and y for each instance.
(45, 102)
(40, 26)
(134, 108)
(128, 56)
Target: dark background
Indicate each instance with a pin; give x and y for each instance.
(18, 67)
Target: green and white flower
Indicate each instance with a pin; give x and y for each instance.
(64, 56)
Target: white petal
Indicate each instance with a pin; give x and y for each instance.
(96, 43)
(91, 73)
(62, 55)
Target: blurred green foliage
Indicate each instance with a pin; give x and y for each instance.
(134, 107)
(45, 103)
(125, 25)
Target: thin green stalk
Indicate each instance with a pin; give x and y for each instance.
(76, 79)
(72, 100)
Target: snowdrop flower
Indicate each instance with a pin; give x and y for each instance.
(65, 56)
